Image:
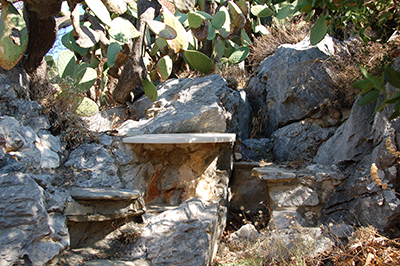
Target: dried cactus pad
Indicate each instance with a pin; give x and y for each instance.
(13, 36)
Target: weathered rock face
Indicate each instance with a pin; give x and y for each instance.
(93, 166)
(28, 233)
(299, 141)
(193, 231)
(201, 105)
(292, 85)
(173, 173)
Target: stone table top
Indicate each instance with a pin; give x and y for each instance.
(104, 194)
(180, 138)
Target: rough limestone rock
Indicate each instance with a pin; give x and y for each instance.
(187, 235)
(13, 84)
(93, 166)
(293, 196)
(358, 143)
(292, 84)
(25, 149)
(351, 141)
(299, 141)
(173, 173)
(28, 234)
(203, 104)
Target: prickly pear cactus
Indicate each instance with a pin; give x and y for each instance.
(13, 36)
(86, 107)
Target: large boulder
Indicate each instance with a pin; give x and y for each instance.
(28, 233)
(200, 105)
(187, 235)
(293, 84)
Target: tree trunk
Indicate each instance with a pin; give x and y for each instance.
(134, 70)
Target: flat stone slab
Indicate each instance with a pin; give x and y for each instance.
(102, 204)
(275, 174)
(181, 138)
(109, 194)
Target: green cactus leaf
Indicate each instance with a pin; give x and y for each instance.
(211, 32)
(100, 10)
(184, 6)
(285, 12)
(81, 66)
(239, 55)
(52, 68)
(310, 15)
(86, 107)
(195, 19)
(66, 64)
(112, 52)
(245, 38)
(150, 90)
(244, 6)
(237, 15)
(206, 15)
(123, 30)
(75, 47)
(180, 43)
(66, 42)
(193, 43)
(182, 17)
(85, 79)
(319, 30)
(154, 75)
(220, 48)
(261, 11)
(13, 36)
(199, 61)
(164, 67)
(161, 29)
(218, 20)
(306, 9)
(226, 28)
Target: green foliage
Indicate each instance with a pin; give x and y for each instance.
(74, 80)
(150, 90)
(13, 36)
(374, 89)
(319, 30)
(122, 30)
(199, 61)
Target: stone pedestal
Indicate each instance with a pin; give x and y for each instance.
(172, 168)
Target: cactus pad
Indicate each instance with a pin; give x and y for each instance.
(13, 36)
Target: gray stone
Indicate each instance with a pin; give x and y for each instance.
(201, 105)
(10, 131)
(293, 196)
(28, 113)
(292, 84)
(187, 235)
(14, 84)
(299, 141)
(247, 190)
(50, 141)
(275, 174)
(341, 231)
(48, 158)
(246, 233)
(25, 227)
(351, 141)
(285, 219)
(105, 139)
(93, 166)
(107, 120)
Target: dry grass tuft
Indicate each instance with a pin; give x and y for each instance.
(277, 34)
(65, 122)
(368, 247)
(365, 247)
